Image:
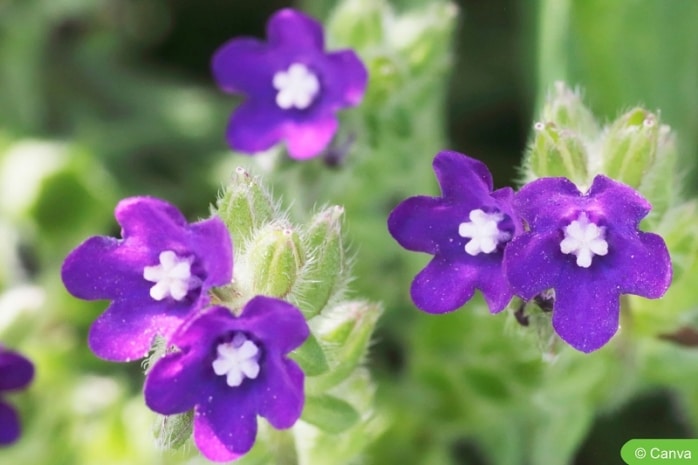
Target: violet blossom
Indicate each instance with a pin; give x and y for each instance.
(466, 229)
(155, 276)
(230, 369)
(16, 372)
(587, 248)
(292, 87)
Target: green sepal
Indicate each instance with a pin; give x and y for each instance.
(274, 258)
(173, 431)
(244, 206)
(630, 146)
(557, 151)
(325, 269)
(662, 184)
(329, 413)
(344, 331)
(311, 357)
(678, 229)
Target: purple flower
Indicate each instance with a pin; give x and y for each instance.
(16, 372)
(155, 276)
(466, 229)
(292, 86)
(229, 370)
(588, 249)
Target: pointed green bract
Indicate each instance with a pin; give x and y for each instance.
(558, 151)
(244, 206)
(325, 270)
(345, 333)
(274, 259)
(630, 146)
(173, 431)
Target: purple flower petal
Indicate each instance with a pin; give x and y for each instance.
(443, 286)
(586, 316)
(243, 66)
(282, 403)
(647, 267)
(16, 372)
(293, 29)
(466, 230)
(235, 428)
(101, 268)
(350, 76)
(253, 128)
(619, 200)
(275, 321)
(533, 263)
(462, 179)
(406, 223)
(544, 202)
(125, 331)
(308, 139)
(155, 276)
(9, 424)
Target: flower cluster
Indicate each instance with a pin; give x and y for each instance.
(583, 250)
(16, 372)
(227, 364)
(292, 87)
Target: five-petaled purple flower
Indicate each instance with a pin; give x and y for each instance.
(465, 229)
(292, 86)
(155, 276)
(16, 372)
(230, 369)
(588, 249)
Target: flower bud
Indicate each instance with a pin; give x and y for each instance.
(346, 329)
(244, 206)
(325, 269)
(557, 151)
(564, 107)
(272, 261)
(630, 146)
(358, 22)
(424, 34)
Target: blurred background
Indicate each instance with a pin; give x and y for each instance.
(103, 99)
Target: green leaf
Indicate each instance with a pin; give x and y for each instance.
(329, 413)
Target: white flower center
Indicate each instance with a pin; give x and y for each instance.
(483, 232)
(297, 87)
(172, 277)
(584, 239)
(237, 360)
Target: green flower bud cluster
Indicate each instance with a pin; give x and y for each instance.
(307, 265)
(568, 141)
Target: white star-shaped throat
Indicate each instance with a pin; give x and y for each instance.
(297, 87)
(584, 239)
(172, 277)
(483, 232)
(237, 360)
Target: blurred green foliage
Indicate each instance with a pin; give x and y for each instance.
(100, 99)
